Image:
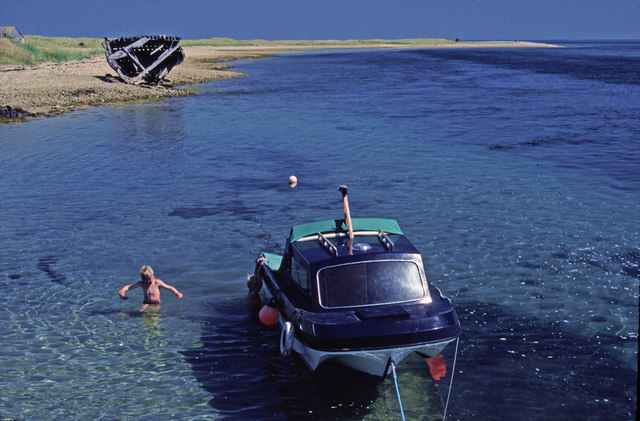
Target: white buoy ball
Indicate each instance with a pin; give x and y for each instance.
(293, 180)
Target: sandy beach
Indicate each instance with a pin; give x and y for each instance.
(53, 88)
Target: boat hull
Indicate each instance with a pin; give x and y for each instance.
(143, 59)
(376, 362)
(316, 343)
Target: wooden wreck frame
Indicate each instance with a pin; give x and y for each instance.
(143, 59)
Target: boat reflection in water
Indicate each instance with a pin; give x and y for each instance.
(437, 367)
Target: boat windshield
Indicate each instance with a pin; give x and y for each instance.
(369, 283)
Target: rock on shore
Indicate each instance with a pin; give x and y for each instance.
(8, 112)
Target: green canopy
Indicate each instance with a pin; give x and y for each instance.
(390, 226)
(274, 261)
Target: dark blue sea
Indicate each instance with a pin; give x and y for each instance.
(516, 173)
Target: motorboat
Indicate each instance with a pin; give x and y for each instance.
(355, 292)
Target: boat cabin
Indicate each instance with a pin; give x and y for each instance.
(324, 270)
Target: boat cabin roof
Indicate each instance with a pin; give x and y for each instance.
(327, 242)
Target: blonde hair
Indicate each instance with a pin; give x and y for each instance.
(146, 272)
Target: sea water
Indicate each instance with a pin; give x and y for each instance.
(514, 171)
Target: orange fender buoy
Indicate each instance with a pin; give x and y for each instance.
(269, 315)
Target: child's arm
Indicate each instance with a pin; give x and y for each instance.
(128, 287)
(170, 288)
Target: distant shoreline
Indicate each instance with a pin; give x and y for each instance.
(57, 88)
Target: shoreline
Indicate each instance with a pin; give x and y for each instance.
(57, 88)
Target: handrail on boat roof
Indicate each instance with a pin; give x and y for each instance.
(328, 245)
(335, 235)
(385, 240)
(390, 226)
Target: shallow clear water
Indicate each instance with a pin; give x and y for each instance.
(515, 172)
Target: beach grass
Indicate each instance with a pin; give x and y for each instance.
(38, 49)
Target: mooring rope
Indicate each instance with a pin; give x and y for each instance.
(395, 379)
(453, 370)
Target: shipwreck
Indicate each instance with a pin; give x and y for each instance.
(143, 59)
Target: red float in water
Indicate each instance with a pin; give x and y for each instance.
(437, 367)
(269, 315)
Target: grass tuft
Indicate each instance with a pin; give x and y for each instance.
(37, 49)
